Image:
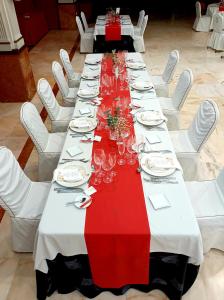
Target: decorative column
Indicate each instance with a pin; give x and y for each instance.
(16, 76)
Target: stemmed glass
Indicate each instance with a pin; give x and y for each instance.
(131, 151)
(121, 149)
(107, 166)
(97, 178)
(113, 158)
(99, 157)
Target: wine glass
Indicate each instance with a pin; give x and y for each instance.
(121, 149)
(131, 151)
(97, 179)
(99, 157)
(107, 166)
(113, 158)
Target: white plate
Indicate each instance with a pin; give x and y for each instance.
(154, 171)
(73, 165)
(90, 77)
(92, 124)
(92, 61)
(84, 94)
(149, 123)
(136, 66)
(141, 86)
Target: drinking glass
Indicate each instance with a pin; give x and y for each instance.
(113, 158)
(97, 179)
(107, 166)
(121, 149)
(130, 143)
(99, 157)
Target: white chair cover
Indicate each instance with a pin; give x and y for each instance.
(68, 94)
(73, 77)
(140, 18)
(203, 124)
(161, 82)
(208, 203)
(216, 40)
(23, 199)
(60, 116)
(118, 9)
(201, 23)
(87, 38)
(49, 145)
(139, 44)
(84, 21)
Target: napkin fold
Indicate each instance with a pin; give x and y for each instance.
(152, 116)
(68, 175)
(163, 161)
(159, 200)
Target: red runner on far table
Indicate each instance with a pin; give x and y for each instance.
(113, 30)
(117, 232)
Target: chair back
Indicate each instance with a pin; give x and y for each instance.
(140, 18)
(60, 78)
(144, 24)
(218, 23)
(34, 126)
(182, 89)
(198, 9)
(48, 99)
(171, 65)
(14, 184)
(118, 9)
(79, 24)
(220, 181)
(203, 124)
(67, 64)
(83, 17)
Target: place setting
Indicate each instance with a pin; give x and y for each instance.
(87, 93)
(83, 124)
(141, 86)
(90, 75)
(136, 65)
(150, 118)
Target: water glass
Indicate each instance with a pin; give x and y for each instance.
(121, 149)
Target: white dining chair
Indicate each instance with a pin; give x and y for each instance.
(207, 199)
(68, 94)
(118, 9)
(87, 38)
(23, 200)
(137, 28)
(60, 116)
(171, 106)
(139, 44)
(48, 145)
(216, 40)
(73, 77)
(201, 23)
(85, 24)
(161, 82)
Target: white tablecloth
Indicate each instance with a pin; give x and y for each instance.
(126, 29)
(173, 229)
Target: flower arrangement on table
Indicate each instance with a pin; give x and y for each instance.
(118, 125)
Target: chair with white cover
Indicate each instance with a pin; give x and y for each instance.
(161, 82)
(207, 199)
(201, 23)
(172, 106)
(23, 200)
(216, 40)
(60, 116)
(87, 38)
(189, 142)
(68, 94)
(139, 44)
(137, 28)
(48, 145)
(73, 77)
(118, 9)
(85, 24)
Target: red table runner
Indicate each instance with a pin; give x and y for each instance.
(221, 7)
(113, 30)
(117, 232)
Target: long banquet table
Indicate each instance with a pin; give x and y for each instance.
(61, 255)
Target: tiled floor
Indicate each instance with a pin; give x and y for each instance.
(17, 279)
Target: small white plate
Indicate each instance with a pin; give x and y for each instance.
(136, 66)
(141, 86)
(149, 122)
(73, 165)
(86, 94)
(90, 77)
(91, 121)
(92, 61)
(157, 172)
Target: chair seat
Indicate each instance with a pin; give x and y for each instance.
(90, 30)
(160, 85)
(65, 113)
(181, 141)
(72, 93)
(55, 142)
(87, 35)
(35, 201)
(76, 77)
(158, 80)
(137, 30)
(167, 104)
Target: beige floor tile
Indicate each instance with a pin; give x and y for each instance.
(7, 272)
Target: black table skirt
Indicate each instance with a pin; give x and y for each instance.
(170, 273)
(102, 46)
